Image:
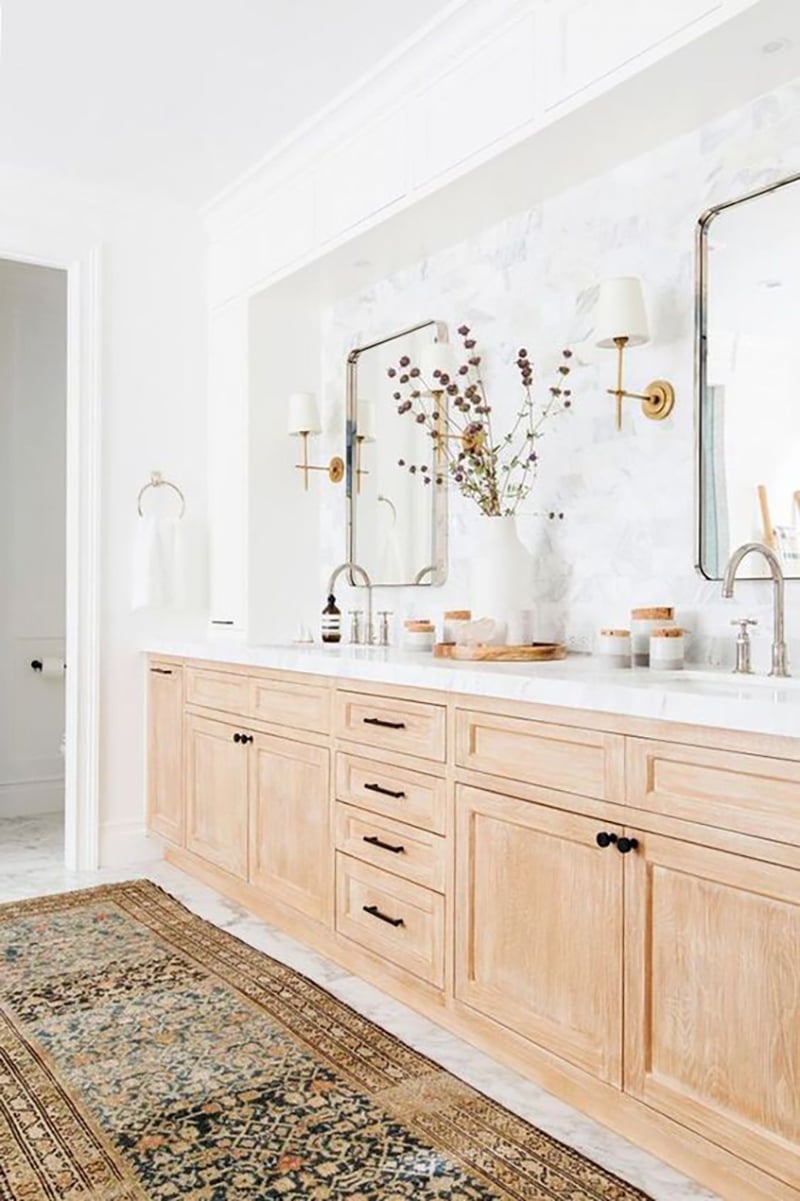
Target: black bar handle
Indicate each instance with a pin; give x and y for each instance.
(374, 911)
(374, 841)
(396, 796)
(387, 725)
(157, 671)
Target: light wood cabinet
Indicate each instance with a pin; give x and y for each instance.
(712, 999)
(165, 795)
(402, 726)
(216, 793)
(539, 926)
(290, 835)
(398, 792)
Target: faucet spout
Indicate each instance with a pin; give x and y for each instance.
(780, 663)
(354, 568)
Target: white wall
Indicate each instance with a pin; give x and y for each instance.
(629, 530)
(153, 416)
(33, 378)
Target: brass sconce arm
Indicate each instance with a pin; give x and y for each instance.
(335, 468)
(658, 399)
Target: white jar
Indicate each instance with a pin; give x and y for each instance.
(453, 622)
(419, 635)
(643, 622)
(667, 649)
(614, 647)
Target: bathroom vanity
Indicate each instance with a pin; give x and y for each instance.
(594, 879)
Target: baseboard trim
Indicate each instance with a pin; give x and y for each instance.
(29, 798)
(124, 843)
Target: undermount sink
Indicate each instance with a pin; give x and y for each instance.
(728, 681)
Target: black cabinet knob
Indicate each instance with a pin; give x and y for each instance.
(237, 737)
(626, 845)
(247, 738)
(604, 839)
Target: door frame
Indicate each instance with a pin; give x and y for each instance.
(82, 684)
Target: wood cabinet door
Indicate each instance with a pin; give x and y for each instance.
(216, 793)
(539, 926)
(291, 844)
(712, 1005)
(165, 796)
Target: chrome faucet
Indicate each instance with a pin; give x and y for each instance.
(780, 663)
(369, 635)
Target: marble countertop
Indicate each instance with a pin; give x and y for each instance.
(696, 697)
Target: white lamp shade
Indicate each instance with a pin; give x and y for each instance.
(436, 356)
(620, 313)
(303, 414)
(365, 424)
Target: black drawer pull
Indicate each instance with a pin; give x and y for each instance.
(161, 671)
(387, 725)
(374, 841)
(626, 845)
(396, 796)
(374, 911)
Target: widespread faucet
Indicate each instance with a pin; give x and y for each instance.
(780, 664)
(353, 567)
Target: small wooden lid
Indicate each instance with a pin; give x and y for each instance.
(668, 632)
(419, 627)
(615, 633)
(659, 613)
(458, 615)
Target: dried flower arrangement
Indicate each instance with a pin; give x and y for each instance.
(497, 473)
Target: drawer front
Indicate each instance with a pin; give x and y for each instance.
(286, 703)
(392, 846)
(391, 917)
(397, 792)
(216, 690)
(747, 793)
(586, 762)
(409, 727)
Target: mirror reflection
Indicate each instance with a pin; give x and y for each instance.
(748, 367)
(397, 526)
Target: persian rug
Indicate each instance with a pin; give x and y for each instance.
(146, 1055)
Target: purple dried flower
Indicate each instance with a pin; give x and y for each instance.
(463, 330)
(404, 362)
(391, 373)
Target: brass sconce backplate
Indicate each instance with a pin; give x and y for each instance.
(336, 470)
(659, 400)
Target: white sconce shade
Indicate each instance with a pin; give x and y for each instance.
(436, 356)
(620, 313)
(365, 428)
(303, 414)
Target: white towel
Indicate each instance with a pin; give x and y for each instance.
(159, 566)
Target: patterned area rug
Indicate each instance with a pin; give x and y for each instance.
(146, 1055)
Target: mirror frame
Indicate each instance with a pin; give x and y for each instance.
(437, 570)
(701, 351)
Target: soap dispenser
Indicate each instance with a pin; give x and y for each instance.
(331, 627)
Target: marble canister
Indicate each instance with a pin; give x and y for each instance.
(667, 649)
(614, 647)
(643, 622)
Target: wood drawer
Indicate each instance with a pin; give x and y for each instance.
(397, 792)
(409, 727)
(587, 762)
(412, 939)
(288, 703)
(747, 793)
(216, 690)
(413, 854)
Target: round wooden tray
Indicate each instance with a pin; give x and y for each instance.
(534, 652)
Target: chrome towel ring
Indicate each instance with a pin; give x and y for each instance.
(157, 481)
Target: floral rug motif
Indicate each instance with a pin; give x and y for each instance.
(146, 1055)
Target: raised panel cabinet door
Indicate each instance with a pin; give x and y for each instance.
(712, 997)
(539, 926)
(291, 843)
(216, 793)
(165, 799)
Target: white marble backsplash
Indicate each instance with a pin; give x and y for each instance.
(628, 533)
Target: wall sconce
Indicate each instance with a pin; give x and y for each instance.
(303, 422)
(621, 322)
(365, 432)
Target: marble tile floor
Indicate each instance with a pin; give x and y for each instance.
(31, 864)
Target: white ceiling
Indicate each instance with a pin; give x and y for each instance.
(179, 96)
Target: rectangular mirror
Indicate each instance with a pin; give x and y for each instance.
(748, 366)
(397, 523)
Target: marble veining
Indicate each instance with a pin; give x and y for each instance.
(31, 865)
(579, 682)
